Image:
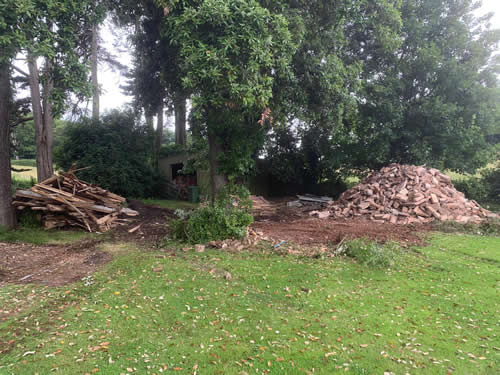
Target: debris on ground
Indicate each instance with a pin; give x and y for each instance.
(64, 200)
(406, 194)
(310, 202)
(261, 204)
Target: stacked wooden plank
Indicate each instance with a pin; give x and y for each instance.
(64, 200)
(406, 194)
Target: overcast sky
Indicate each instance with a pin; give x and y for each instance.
(110, 81)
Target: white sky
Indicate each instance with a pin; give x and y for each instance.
(110, 81)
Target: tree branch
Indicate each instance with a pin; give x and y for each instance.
(20, 71)
(19, 170)
(21, 121)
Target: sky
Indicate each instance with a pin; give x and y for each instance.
(110, 81)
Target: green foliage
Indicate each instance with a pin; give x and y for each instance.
(117, 152)
(21, 183)
(229, 49)
(473, 187)
(489, 227)
(435, 99)
(24, 163)
(491, 178)
(23, 141)
(228, 218)
(483, 188)
(212, 223)
(372, 254)
(29, 230)
(171, 150)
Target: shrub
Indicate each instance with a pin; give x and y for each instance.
(490, 227)
(491, 178)
(482, 188)
(211, 224)
(116, 149)
(228, 218)
(372, 254)
(473, 188)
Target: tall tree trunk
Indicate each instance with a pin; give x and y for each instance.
(149, 122)
(48, 123)
(180, 120)
(95, 82)
(158, 138)
(6, 211)
(212, 158)
(42, 121)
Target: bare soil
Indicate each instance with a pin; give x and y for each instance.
(283, 223)
(49, 265)
(56, 265)
(152, 220)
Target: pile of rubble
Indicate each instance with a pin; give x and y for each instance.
(406, 194)
(64, 200)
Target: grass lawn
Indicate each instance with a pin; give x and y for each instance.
(149, 313)
(40, 236)
(28, 164)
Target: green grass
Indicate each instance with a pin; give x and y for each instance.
(39, 236)
(24, 163)
(30, 231)
(436, 312)
(173, 205)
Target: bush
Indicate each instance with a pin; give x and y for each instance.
(228, 218)
(491, 178)
(211, 224)
(473, 188)
(116, 149)
(489, 227)
(485, 188)
(372, 254)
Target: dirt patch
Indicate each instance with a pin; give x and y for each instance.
(151, 222)
(291, 224)
(319, 231)
(49, 265)
(56, 265)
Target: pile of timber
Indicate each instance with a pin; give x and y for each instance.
(406, 194)
(64, 200)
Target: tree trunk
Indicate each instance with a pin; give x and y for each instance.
(149, 122)
(42, 121)
(212, 158)
(180, 120)
(95, 82)
(6, 211)
(158, 138)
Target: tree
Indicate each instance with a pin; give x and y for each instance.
(10, 42)
(317, 103)
(6, 211)
(55, 32)
(231, 51)
(436, 98)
